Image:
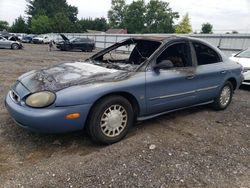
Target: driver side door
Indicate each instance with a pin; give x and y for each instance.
(171, 88)
(4, 43)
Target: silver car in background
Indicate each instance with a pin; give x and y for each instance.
(243, 58)
(5, 43)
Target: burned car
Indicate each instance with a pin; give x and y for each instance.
(136, 79)
(10, 43)
(83, 44)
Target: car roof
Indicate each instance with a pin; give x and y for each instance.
(166, 38)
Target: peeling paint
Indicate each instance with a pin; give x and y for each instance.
(70, 74)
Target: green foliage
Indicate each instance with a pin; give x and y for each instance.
(138, 17)
(160, 17)
(40, 24)
(51, 8)
(134, 18)
(184, 25)
(60, 17)
(98, 24)
(4, 25)
(19, 25)
(60, 23)
(207, 28)
(117, 13)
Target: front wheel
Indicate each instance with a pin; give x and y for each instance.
(110, 119)
(15, 46)
(224, 98)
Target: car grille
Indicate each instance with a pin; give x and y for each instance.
(14, 96)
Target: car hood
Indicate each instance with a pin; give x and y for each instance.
(64, 37)
(69, 74)
(245, 62)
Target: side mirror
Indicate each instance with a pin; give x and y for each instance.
(165, 64)
(233, 54)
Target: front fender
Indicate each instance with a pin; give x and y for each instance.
(90, 93)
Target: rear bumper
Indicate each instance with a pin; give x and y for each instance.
(47, 120)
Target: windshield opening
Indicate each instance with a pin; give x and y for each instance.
(127, 55)
(244, 54)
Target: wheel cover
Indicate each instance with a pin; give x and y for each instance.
(114, 120)
(225, 95)
(15, 46)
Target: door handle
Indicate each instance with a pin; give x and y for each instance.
(223, 72)
(190, 77)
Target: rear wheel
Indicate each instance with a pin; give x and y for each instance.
(15, 46)
(224, 98)
(110, 119)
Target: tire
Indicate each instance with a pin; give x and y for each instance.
(15, 46)
(224, 98)
(110, 119)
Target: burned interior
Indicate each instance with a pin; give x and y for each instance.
(127, 55)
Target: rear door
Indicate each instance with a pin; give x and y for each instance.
(211, 71)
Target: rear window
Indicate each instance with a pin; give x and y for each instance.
(205, 55)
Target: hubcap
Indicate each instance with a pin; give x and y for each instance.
(225, 95)
(114, 120)
(15, 46)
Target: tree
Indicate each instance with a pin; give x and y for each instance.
(184, 25)
(60, 23)
(4, 25)
(207, 28)
(40, 24)
(54, 10)
(138, 17)
(160, 17)
(19, 25)
(235, 32)
(51, 8)
(134, 17)
(99, 24)
(117, 13)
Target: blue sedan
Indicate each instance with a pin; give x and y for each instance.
(135, 79)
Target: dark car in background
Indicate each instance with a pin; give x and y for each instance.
(28, 38)
(83, 44)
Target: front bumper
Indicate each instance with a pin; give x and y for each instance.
(47, 120)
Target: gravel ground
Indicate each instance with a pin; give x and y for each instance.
(197, 147)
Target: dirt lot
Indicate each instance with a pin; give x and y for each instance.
(193, 148)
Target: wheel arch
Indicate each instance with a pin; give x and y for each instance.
(131, 98)
(233, 82)
(15, 43)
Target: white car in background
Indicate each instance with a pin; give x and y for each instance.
(243, 58)
(41, 39)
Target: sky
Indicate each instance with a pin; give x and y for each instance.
(224, 15)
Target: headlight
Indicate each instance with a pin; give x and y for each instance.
(41, 99)
(246, 69)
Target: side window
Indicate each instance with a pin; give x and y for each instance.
(178, 54)
(205, 55)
